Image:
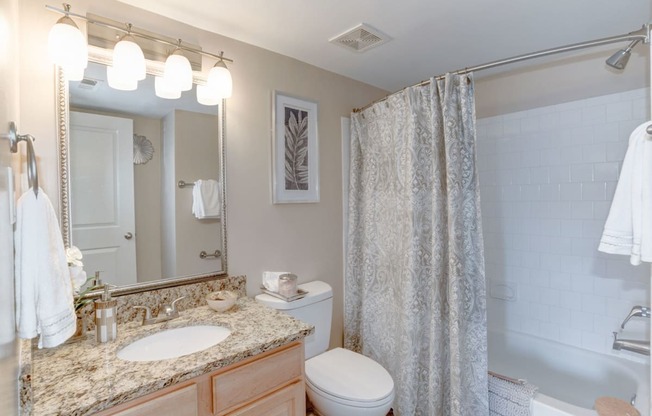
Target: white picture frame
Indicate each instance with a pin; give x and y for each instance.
(295, 152)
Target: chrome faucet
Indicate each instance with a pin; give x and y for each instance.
(633, 345)
(642, 311)
(169, 312)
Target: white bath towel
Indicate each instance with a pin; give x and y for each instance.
(628, 230)
(206, 202)
(44, 298)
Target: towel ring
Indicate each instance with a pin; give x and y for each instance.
(14, 138)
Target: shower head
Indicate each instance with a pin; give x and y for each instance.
(619, 59)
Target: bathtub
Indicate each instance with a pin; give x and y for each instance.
(569, 378)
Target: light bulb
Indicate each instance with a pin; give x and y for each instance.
(128, 59)
(207, 95)
(116, 81)
(66, 45)
(220, 81)
(178, 71)
(163, 89)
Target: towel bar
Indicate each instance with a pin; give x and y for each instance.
(184, 184)
(205, 255)
(14, 138)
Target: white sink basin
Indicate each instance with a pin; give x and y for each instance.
(175, 342)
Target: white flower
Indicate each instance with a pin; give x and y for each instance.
(74, 256)
(78, 277)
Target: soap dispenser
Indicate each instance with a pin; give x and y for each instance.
(106, 326)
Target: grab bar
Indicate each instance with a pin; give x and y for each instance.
(14, 138)
(184, 184)
(205, 255)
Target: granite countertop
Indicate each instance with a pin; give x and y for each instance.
(84, 377)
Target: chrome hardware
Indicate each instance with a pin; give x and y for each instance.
(14, 138)
(205, 255)
(169, 312)
(129, 236)
(184, 184)
(641, 311)
(633, 345)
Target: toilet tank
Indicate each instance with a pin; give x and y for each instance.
(316, 308)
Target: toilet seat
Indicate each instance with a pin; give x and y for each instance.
(349, 378)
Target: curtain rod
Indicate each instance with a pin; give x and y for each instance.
(641, 34)
(141, 35)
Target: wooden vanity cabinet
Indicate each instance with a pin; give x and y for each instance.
(270, 384)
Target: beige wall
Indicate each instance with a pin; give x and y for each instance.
(196, 157)
(303, 238)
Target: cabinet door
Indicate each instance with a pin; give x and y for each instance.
(288, 401)
(236, 387)
(182, 402)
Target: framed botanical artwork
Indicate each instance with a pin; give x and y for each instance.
(295, 153)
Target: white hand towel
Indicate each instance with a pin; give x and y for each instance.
(628, 230)
(206, 199)
(44, 298)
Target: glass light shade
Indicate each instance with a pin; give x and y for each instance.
(66, 45)
(128, 59)
(207, 96)
(178, 71)
(118, 82)
(164, 89)
(219, 80)
(74, 74)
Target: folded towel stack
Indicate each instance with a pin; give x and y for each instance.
(507, 398)
(628, 230)
(206, 199)
(270, 280)
(44, 299)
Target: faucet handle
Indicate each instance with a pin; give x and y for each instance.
(148, 312)
(642, 311)
(173, 306)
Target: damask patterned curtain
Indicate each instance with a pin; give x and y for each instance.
(415, 285)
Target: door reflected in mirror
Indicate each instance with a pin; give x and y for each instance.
(128, 150)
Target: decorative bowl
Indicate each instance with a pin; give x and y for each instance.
(222, 300)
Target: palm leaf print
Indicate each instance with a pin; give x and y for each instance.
(296, 149)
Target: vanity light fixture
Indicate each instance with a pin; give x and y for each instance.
(118, 81)
(178, 72)
(127, 61)
(163, 89)
(219, 79)
(67, 46)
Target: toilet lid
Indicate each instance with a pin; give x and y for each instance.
(348, 375)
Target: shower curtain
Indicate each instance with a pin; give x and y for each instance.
(414, 282)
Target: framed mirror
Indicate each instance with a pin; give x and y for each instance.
(128, 164)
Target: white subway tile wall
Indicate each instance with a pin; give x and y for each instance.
(547, 178)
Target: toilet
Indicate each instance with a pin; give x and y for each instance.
(339, 382)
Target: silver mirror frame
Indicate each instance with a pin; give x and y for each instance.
(103, 56)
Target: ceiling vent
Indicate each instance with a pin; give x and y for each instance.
(89, 84)
(360, 39)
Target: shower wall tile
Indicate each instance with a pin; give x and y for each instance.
(547, 178)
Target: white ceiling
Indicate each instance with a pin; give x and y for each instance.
(428, 37)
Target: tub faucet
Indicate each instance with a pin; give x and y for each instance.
(642, 311)
(633, 345)
(168, 313)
